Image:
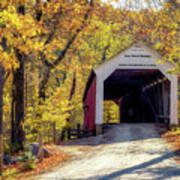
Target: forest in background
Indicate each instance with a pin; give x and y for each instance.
(48, 49)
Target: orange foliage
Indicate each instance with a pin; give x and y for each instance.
(40, 167)
(174, 139)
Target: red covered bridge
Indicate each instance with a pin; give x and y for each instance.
(133, 79)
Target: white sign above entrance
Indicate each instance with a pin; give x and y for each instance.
(137, 52)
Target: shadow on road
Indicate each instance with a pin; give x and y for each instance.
(160, 173)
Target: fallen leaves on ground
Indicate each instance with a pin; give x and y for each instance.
(15, 171)
(173, 137)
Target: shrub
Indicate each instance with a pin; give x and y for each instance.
(27, 159)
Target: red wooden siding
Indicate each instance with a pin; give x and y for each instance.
(90, 102)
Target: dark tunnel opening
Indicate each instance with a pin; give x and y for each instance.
(136, 108)
(140, 94)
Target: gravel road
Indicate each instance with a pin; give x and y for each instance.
(125, 151)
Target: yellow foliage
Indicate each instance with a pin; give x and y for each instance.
(46, 39)
(111, 112)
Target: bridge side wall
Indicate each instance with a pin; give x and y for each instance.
(90, 106)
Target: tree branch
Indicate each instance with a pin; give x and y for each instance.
(71, 41)
(50, 66)
(6, 77)
(51, 34)
(73, 86)
(104, 53)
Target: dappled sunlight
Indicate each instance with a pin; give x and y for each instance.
(90, 79)
(121, 153)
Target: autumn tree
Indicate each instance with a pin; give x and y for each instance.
(5, 66)
(16, 28)
(60, 23)
(62, 41)
(33, 34)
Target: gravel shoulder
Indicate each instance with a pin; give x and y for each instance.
(125, 151)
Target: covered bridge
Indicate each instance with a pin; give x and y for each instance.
(136, 82)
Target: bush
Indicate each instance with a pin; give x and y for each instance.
(28, 159)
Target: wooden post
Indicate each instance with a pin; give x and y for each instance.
(98, 129)
(165, 101)
(155, 101)
(54, 133)
(94, 130)
(85, 132)
(62, 134)
(174, 100)
(79, 130)
(160, 98)
(119, 104)
(69, 133)
(41, 152)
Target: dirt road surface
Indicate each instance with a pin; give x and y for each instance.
(125, 151)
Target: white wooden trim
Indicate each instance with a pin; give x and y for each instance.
(165, 93)
(174, 100)
(111, 65)
(122, 61)
(99, 100)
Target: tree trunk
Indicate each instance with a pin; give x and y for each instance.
(42, 86)
(54, 133)
(73, 87)
(12, 116)
(1, 117)
(18, 135)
